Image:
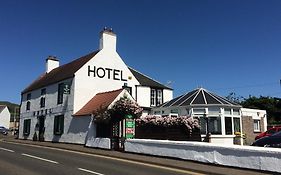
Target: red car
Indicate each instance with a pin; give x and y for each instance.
(269, 132)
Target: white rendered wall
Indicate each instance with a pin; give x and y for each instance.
(257, 158)
(5, 117)
(75, 129)
(88, 86)
(143, 96)
(167, 95)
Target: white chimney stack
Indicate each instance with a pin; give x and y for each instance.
(51, 63)
(108, 39)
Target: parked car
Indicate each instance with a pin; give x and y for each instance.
(3, 130)
(269, 132)
(269, 141)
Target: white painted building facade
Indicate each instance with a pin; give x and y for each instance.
(4, 116)
(61, 91)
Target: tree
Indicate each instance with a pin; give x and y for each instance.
(234, 98)
(270, 104)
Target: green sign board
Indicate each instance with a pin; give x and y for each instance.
(130, 127)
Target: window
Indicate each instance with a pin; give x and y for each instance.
(228, 125)
(198, 110)
(257, 126)
(26, 127)
(203, 125)
(227, 111)
(28, 98)
(174, 111)
(159, 97)
(60, 93)
(153, 97)
(28, 105)
(214, 125)
(42, 102)
(214, 110)
(236, 112)
(58, 125)
(236, 122)
(156, 97)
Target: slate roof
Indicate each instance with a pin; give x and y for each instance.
(2, 107)
(68, 70)
(61, 73)
(147, 81)
(199, 97)
(100, 101)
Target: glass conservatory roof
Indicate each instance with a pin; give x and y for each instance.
(199, 96)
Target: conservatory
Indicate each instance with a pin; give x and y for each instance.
(220, 119)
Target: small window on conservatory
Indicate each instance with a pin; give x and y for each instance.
(174, 111)
(227, 111)
(236, 112)
(198, 110)
(213, 110)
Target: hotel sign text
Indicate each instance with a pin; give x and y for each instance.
(108, 73)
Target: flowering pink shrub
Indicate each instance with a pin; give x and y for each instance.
(122, 107)
(126, 106)
(157, 120)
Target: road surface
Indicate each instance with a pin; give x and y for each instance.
(33, 160)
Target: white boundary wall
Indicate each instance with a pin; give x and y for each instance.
(258, 158)
(99, 143)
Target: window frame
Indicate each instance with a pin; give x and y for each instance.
(228, 126)
(58, 124)
(257, 123)
(153, 97)
(26, 127)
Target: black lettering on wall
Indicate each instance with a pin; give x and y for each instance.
(100, 72)
(93, 71)
(116, 74)
(108, 72)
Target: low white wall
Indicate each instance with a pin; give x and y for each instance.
(258, 158)
(99, 143)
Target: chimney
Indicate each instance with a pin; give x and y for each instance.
(51, 63)
(108, 39)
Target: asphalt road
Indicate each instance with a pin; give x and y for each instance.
(17, 159)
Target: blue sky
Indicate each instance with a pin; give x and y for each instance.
(222, 45)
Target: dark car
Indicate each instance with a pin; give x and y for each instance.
(3, 130)
(269, 132)
(269, 141)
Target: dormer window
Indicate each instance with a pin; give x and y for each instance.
(156, 97)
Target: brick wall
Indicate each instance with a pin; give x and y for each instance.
(248, 129)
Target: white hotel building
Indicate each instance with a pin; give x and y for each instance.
(53, 106)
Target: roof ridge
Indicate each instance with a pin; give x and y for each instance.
(149, 77)
(109, 91)
(195, 95)
(187, 97)
(60, 73)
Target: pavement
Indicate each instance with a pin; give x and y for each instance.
(162, 161)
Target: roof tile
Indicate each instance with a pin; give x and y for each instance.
(100, 101)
